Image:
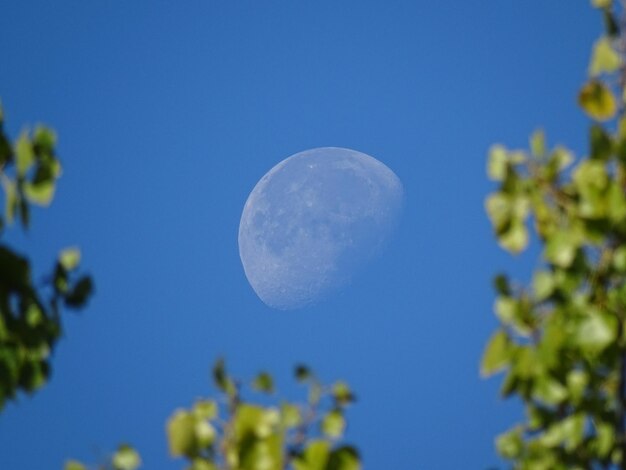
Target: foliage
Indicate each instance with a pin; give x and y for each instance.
(230, 433)
(562, 341)
(125, 458)
(30, 322)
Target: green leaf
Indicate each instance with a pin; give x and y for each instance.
(497, 354)
(315, 456)
(333, 424)
(342, 393)
(497, 163)
(515, 239)
(510, 443)
(604, 58)
(80, 293)
(597, 101)
(561, 249)
(549, 391)
(40, 193)
(596, 331)
(205, 409)
(74, 465)
(605, 439)
(181, 434)
(45, 139)
(543, 285)
(290, 414)
(221, 378)
(601, 143)
(263, 383)
(126, 458)
(619, 259)
(602, 3)
(69, 258)
(569, 431)
(11, 199)
(344, 458)
(205, 433)
(202, 464)
(24, 154)
(538, 144)
(302, 373)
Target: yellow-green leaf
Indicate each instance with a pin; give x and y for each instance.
(602, 3)
(538, 144)
(604, 58)
(126, 458)
(24, 154)
(181, 434)
(69, 258)
(497, 163)
(74, 465)
(40, 193)
(515, 239)
(597, 101)
(496, 356)
(333, 424)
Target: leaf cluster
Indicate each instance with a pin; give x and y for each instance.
(561, 343)
(30, 322)
(231, 433)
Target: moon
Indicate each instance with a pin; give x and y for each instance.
(314, 221)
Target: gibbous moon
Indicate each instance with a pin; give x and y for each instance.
(313, 221)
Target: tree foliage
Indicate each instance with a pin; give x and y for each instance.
(30, 312)
(562, 339)
(230, 432)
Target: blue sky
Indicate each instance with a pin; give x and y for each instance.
(168, 114)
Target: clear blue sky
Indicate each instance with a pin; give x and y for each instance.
(169, 112)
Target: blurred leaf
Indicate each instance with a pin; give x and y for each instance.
(222, 381)
(11, 199)
(515, 239)
(596, 331)
(24, 155)
(302, 373)
(510, 443)
(538, 144)
(264, 383)
(81, 292)
(597, 101)
(498, 163)
(290, 414)
(333, 424)
(205, 409)
(543, 285)
(14, 270)
(45, 139)
(40, 193)
(69, 258)
(601, 144)
(315, 456)
(342, 393)
(126, 458)
(74, 465)
(181, 434)
(344, 458)
(602, 3)
(561, 249)
(496, 356)
(604, 58)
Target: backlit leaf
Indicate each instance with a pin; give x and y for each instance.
(604, 58)
(597, 101)
(496, 356)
